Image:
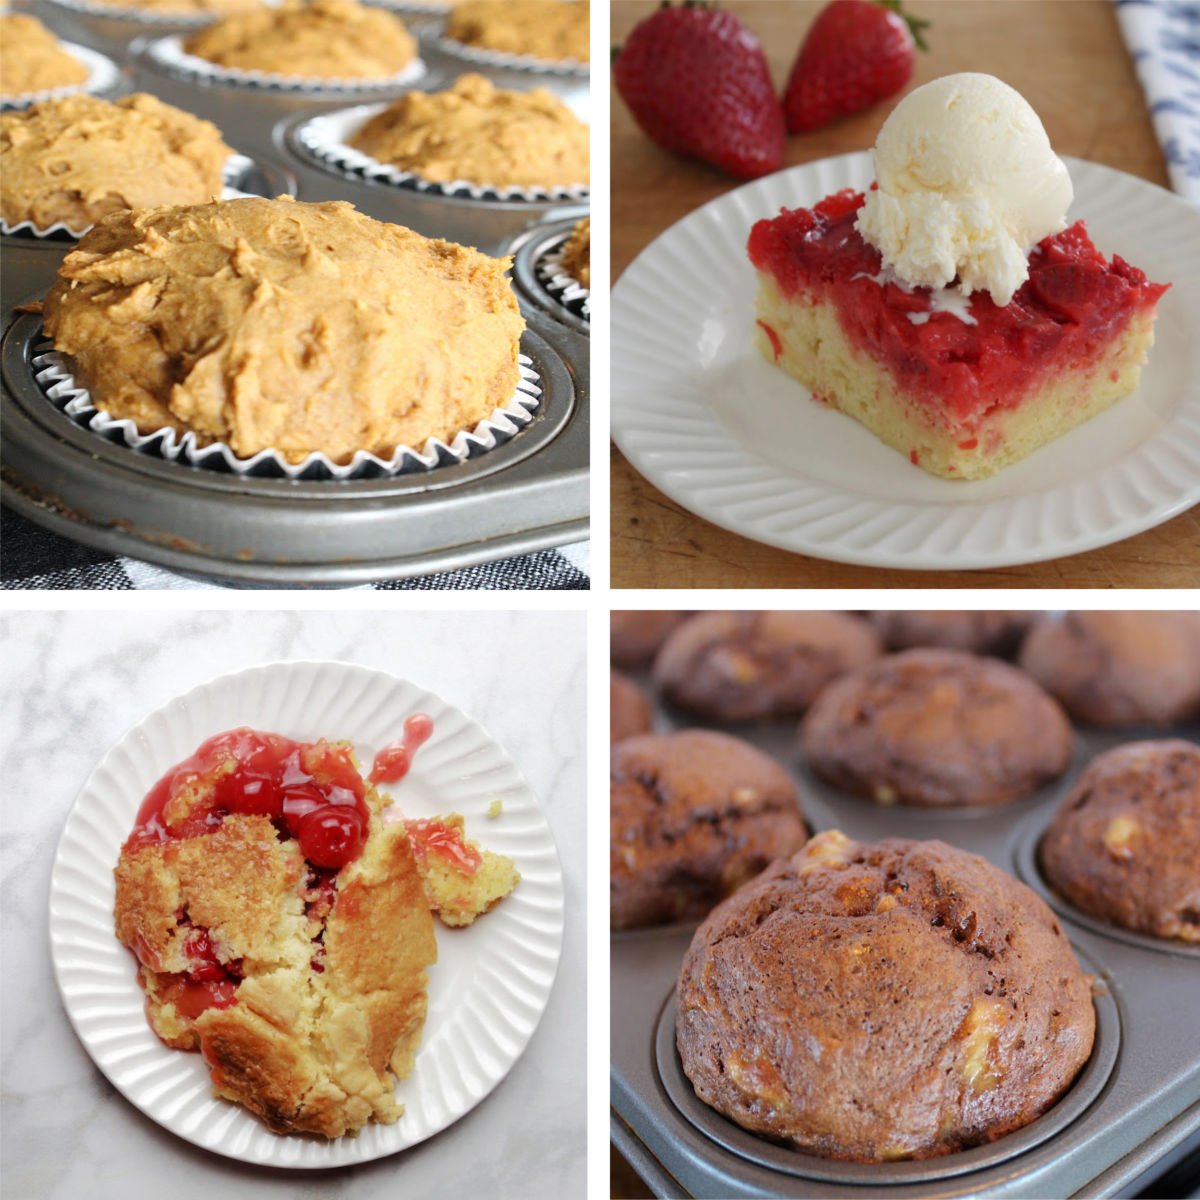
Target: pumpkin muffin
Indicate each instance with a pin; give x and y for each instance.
(995, 633)
(748, 666)
(635, 635)
(577, 253)
(694, 816)
(32, 59)
(271, 324)
(937, 729)
(79, 158)
(880, 1001)
(1125, 846)
(629, 710)
(1119, 668)
(552, 30)
(326, 39)
(477, 132)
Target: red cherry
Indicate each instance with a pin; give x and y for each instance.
(192, 998)
(300, 800)
(331, 836)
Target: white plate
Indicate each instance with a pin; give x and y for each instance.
(486, 992)
(708, 421)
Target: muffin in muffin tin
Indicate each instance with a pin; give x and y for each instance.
(1125, 843)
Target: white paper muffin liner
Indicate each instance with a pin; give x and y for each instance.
(327, 138)
(414, 6)
(168, 52)
(566, 289)
(510, 62)
(103, 74)
(235, 167)
(146, 16)
(54, 374)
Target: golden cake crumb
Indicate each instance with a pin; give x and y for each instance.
(466, 883)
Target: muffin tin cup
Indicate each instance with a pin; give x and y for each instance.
(103, 76)
(535, 253)
(240, 173)
(168, 53)
(57, 384)
(325, 139)
(1148, 1022)
(252, 531)
(1082, 1093)
(1027, 854)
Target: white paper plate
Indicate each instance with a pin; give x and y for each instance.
(486, 992)
(707, 420)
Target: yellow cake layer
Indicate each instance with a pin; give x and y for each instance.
(817, 353)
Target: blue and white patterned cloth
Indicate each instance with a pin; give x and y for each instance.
(1163, 37)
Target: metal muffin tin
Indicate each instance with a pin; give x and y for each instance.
(530, 494)
(1134, 1110)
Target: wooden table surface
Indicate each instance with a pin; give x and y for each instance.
(1068, 60)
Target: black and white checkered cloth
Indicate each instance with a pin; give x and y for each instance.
(32, 557)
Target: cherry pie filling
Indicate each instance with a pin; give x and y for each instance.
(1065, 315)
(312, 792)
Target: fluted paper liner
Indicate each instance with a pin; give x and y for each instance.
(565, 288)
(53, 371)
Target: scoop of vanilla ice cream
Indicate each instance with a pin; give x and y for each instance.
(968, 185)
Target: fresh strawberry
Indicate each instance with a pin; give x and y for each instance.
(697, 82)
(856, 54)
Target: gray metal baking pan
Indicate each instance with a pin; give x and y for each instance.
(528, 249)
(527, 494)
(1135, 1108)
(274, 533)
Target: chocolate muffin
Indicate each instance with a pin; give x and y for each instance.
(634, 637)
(1125, 846)
(629, 711)
(1119, 668)
(747, 666)
(694, 816)
(873, 1002)
(936, 728)
(995, 633)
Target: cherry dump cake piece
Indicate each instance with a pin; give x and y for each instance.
(282, 927)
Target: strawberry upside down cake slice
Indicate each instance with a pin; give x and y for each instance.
(960, 385)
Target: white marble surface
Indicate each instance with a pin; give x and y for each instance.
(74, 683)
